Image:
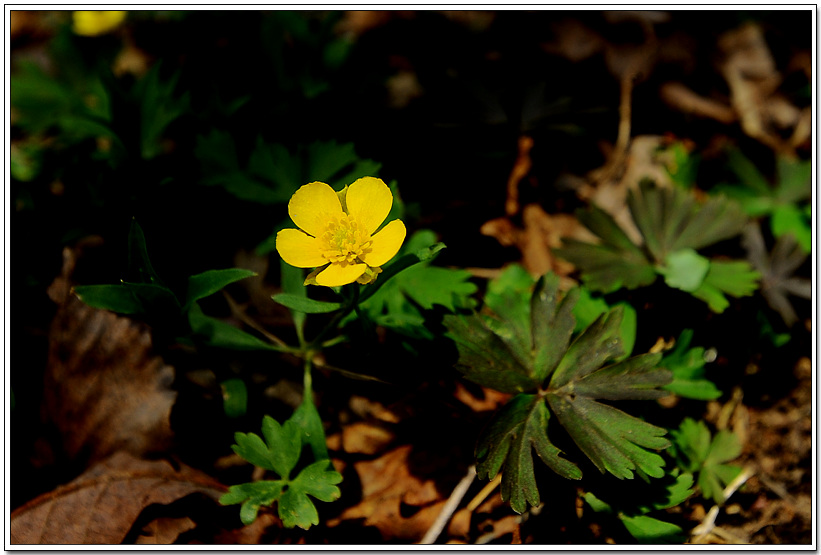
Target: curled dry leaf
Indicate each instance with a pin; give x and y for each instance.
(101, 505)
(750, 71)
(542, 232)
(105, 390)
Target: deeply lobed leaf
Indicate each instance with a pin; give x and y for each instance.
(507, 446)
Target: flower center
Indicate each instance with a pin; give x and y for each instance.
(344, 240)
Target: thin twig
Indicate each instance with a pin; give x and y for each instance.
(450, 507)
(708, 523)
(238, 312)
(482, 495)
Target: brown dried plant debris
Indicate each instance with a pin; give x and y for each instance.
(104, 388)
(749, 69)
(101, 506)
(390, 492)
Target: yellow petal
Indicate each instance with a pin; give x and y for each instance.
(299, 249)
(312, 207)
(92, 23)
(369, 200)
(337, 274)
(386, 244)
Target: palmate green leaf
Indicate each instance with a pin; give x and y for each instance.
(670, 219)
(507, 445)
(515, 347)
(280, 452)
(687, 366)
(519, 356)
(673, 226)
(613, 440)
(696, 452)
(734, 278)
(399, 300)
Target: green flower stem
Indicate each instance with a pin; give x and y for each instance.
(306, 379)
(317, 343)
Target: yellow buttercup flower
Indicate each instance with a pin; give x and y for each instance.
(91, 24)
(336, 232)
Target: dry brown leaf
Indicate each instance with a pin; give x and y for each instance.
(750, 72)
(387, 485)
(365, 438)
(491, 399)
(105, 390)
(164, 530)
(101, 505)
(542, 232)
(521, 167)
(680, 97)
(365, 408)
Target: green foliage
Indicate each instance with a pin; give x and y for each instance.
(305, 52)
(234, 397)
(685, 269)
(523, 345)
(786, 203)
(632, 507)
(272, 172)
(76, 110)
(681, 164)
(695, 452)
(403, 297)
(280, 452)
(673, 226)
(687, 366)
(305, 305)
(159, 106)
(149, 298)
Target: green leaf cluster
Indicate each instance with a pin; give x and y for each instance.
(272, 173)
(305, 50)
(787, 203)
(145, 295)
(687, 366)
(524, 343)
(632, 508)
(673, 226)
(401, 303)
(696, 451)
(279, 452)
